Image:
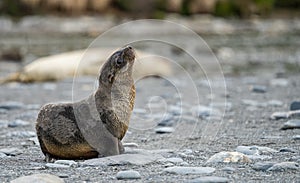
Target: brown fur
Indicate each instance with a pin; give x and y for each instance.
(80, 130)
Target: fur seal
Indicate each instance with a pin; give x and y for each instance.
(84, 62)
(93, 127)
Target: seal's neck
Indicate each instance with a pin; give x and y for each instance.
(119, 89)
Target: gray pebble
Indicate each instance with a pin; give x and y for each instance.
(294, 158)
(128, 174)
(139, 111)
(258, 88)
(291, 124)
(205, 112)
(225, 106)
(294, 114)
(168, 165)
(279, 82)
(265, 150)
(250, 80)
(10, 151)
(263, 166)
(66, 162)
(18, 123)
(11, 105)
(183, 155)
(229, 157)
(296, 137)
(248, 150)
(228, 169)
(33, 106)
(209, 179)
(29, 115)
(259, 157)
(49, 86)
(184, 164)
(63, 175)
(175, 110)
(2, 155)
(22, 134)
(54, 165)
(172, 160)
(131, 145)
(295, 106)
(137, 158)
(287, 150)
(279, 115)
(188, 151)
(162, 130)
(284, 166)
(166, 121)
(188, 119)
(3, 111)
(189, 170)
(254, 103)
(3, 124)
(35, 140)
(275, 103)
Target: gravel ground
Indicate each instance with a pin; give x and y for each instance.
(196, 135)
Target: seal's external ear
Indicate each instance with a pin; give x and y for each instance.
(110, 78)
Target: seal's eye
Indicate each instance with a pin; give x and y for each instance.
(119, 61)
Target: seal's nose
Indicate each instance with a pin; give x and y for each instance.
(128, 48)
(129, 52)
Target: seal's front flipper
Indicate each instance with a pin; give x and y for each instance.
(121, 147)
(49, 158)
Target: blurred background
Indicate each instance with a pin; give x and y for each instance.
(151, 8)
(246, 35)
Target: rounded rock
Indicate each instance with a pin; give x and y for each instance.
(286, 149)
(229, 157)
(54, 165)
(209, 179)
(248, 150)
(295, 106)
(164, 130)
(262, 166)
(291, 124)
(45, 178)
(189, 170)
(296, 137)
(258, 89)
(18, 123)
(128, 174)
(284, 166)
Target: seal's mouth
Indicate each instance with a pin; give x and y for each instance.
(127, 57)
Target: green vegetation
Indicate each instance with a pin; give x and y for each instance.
(293, 4)
(11, 7)
(226, 8)
(292, 67)
(244, 9)
(159, 8)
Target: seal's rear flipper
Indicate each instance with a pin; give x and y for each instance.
(15, 77)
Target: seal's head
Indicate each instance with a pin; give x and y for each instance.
(119, 65)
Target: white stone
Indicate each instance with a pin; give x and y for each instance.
(128, 174)
(54, 165)
(189, 170)
(38, 178)
(229, 157)
(123, 159)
